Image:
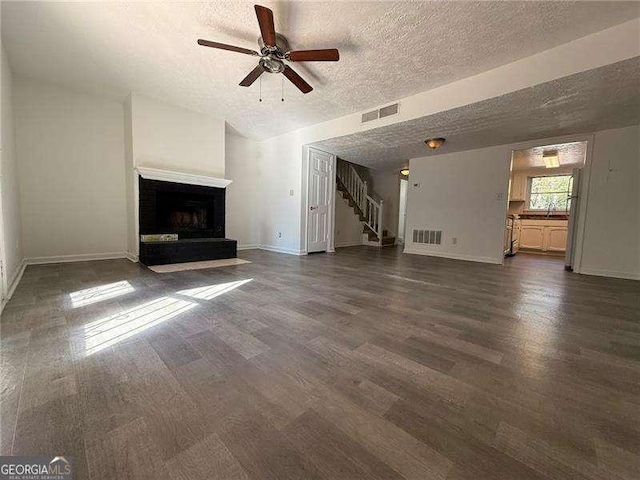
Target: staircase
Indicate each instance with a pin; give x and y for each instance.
(356, 192)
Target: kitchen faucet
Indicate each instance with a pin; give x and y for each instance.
(549, 209)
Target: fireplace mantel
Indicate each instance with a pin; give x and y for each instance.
(179, 177)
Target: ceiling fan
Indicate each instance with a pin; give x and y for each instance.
(274, 51)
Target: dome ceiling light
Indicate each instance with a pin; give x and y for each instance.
(434, 143)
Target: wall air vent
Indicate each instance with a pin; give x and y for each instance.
(381, 113)
(369, 116)
(389, 110)
(430, 237)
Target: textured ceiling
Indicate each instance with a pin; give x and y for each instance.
(388, 50)
(602, 98)
(569, 155)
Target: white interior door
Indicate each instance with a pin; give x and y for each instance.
(321, 186)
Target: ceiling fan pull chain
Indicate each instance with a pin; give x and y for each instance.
(260, 89)
(282, 94)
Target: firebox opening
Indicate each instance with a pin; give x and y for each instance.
(177, 214)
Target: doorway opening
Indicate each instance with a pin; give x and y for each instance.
(544, 191)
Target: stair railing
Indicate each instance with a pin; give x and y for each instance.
(354, 184)
(374, 217)
(358, 189)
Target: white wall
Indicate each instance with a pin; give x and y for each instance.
(457, 194)
(286, 152)
(9, 187)
(282, 216)
(71, 166)
(348, 227)
(242, 161)
(611, 245)
(386, 185)
(130, 183)
(173, 138)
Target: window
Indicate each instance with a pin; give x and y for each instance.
(549, 193)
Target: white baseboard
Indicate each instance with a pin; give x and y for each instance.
(132, 257)
(13, 282)
(248, 247)
(85, 257)
(289, 251)
(348, 244)
(610, 273)
(454, 256)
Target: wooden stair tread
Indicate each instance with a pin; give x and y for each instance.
(347, 196)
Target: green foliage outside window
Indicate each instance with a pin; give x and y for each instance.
(550, 193)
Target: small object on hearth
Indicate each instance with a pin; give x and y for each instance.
(162, 237)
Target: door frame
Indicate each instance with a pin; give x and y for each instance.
(406, 202)
(583, 190)
(4, 280)
(331, 210)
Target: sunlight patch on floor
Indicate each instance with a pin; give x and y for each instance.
(98, 294)
(106, 332)
(212, 291)
(110, 330)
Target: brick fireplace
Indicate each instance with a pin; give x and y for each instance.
(195, 213)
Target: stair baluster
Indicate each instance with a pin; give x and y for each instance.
(358, 189)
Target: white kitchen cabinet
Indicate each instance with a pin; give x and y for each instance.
(518, 190)
(544, 235)
(556, 239)
(532, 236)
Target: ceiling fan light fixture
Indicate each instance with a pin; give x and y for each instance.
(434, 143)
(271, 64)
(551, 159)
(405, 172)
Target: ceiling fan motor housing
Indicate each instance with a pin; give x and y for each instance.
(272, 57)
(282, 46)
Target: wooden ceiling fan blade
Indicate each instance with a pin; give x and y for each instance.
(326, 55)
(267, 27)
(252, 77)
(297, 80)
(224, 46)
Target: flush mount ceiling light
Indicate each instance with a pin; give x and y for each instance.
(434, 143)
(405, 172)
(551, 159)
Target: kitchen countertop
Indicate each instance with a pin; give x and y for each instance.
(535, 216)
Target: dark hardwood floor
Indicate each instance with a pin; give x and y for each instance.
(361, 364)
